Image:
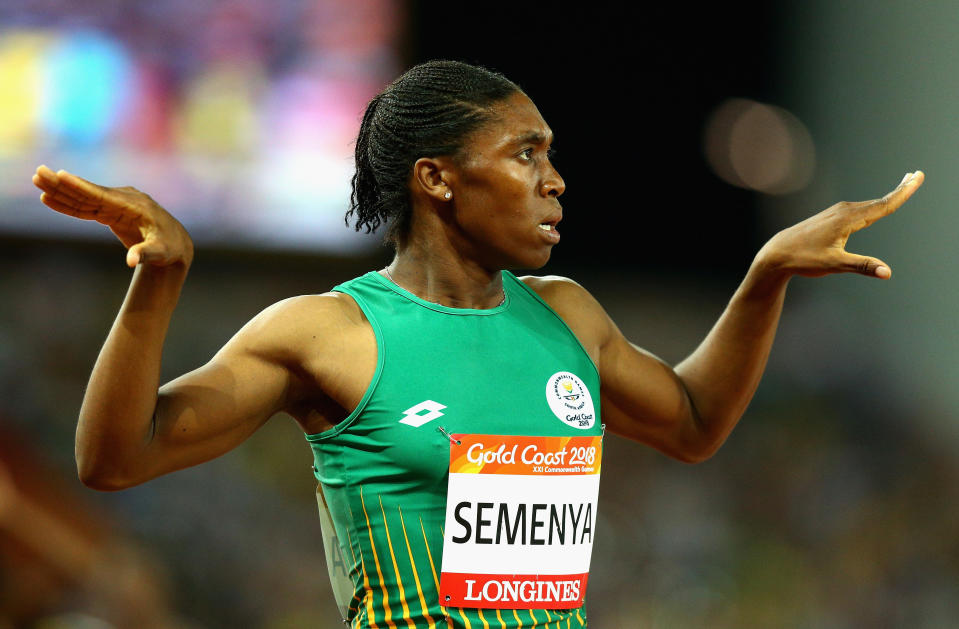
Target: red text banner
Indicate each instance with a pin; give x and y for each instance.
(508, 591)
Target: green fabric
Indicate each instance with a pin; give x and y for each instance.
(384, 482)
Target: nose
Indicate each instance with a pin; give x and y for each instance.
(553, 184)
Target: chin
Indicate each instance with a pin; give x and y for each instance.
(531, 263)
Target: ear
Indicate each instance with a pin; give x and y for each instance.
(433, 177)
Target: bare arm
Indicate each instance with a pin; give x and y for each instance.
(116, 418)
(688, 411)
(724, 371)
(130, 429)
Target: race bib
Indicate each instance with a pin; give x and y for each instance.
(520, 521)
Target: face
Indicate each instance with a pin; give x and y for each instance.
(505, 204)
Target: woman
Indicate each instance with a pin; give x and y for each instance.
(421, 387)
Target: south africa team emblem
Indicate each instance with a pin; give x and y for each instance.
(570, 401)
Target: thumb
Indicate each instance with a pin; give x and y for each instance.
(865, 265)
(147, 252)
(134, 254)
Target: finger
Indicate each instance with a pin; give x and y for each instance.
(909, 184)
(868, 212)
(69, 209)
(49, 181)
(81, 205)
(46, 179)
(79, 184)
(44, 173)
(865, 265)
(61, 191)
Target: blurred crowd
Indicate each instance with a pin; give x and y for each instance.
(218, 108)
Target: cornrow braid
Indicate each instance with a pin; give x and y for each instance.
(427, 112)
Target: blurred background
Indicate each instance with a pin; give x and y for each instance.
(686, 138)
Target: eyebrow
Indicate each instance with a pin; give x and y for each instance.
(532, 137)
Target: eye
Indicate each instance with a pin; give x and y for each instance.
(528, 154)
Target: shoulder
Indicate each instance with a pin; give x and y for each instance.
(307, 312)
(576, 307)
(298, 325)
(563, 295)
(554, 286)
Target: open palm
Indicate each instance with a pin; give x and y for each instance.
(817, 246)
(150, 234)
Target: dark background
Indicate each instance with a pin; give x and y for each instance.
(627, 91)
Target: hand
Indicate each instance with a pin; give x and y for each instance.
(150, 233)
(817, 246)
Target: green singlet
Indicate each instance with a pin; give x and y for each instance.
(383, 471)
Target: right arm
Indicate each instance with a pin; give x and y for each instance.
(130, 429)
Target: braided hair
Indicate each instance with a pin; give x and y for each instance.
(427, 112)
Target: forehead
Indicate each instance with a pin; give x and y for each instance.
(515, 120)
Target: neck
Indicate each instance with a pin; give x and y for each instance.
(441, 275)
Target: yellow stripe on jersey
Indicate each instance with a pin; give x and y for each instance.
(465, 619)
(356, 597)
(519, 623)
(396, 569)
(367, 590)
(483, 618)
(436, 582)
(387, 612)
(416, 574)
(502, 622)
(582, 622)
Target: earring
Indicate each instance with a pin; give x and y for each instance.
(448, 195)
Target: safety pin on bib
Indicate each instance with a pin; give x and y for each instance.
(449, 436)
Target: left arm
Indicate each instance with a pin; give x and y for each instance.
(688, 411)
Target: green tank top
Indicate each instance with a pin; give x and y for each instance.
(383, 471)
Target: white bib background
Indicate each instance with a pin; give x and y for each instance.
(520, 521)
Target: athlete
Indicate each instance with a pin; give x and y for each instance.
(421, 387)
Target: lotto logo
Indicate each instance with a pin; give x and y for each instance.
(416, 417)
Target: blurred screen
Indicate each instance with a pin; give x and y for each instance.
(238, 116)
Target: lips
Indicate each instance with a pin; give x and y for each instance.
(548, 228)
(554, 217)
